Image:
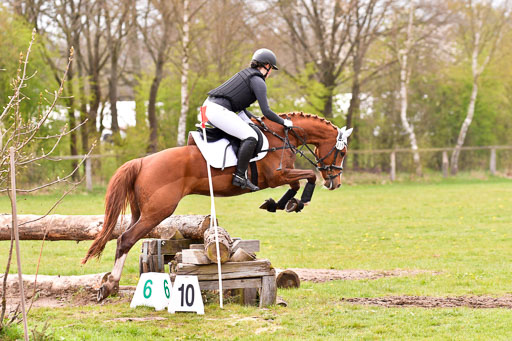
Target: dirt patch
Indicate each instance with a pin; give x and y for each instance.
(435, 302)
(325, 275)
(68, 298)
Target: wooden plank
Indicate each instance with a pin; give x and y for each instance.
(392, 175)
(268, 292)
(242, 256)
(492, 162)
(249, 245)
(158, 263)
(249, 296)
(230, 270)
(196, 246)
(445, 164)
(194, 256)
(231, 284)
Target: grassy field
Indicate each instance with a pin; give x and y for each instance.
(458, 230)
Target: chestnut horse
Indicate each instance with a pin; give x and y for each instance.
(154, 185)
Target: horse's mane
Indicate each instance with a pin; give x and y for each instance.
(303, 115)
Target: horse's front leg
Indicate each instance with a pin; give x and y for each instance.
(287, 202)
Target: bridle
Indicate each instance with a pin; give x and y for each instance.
(318, 163)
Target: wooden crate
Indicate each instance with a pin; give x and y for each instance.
(250, 277)
(158, 252)
(254, 279)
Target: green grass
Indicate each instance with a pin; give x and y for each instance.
(459, 228)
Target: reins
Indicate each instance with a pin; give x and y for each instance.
(340, 144)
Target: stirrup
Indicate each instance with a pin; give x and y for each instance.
(244, 183)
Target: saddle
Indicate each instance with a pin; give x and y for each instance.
(221, 149)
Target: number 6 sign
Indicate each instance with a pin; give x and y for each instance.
(186, 295)
(152, 291)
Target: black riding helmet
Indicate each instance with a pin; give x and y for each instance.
(265, 56)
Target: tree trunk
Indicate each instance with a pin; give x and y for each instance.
(405, 75)
(464, 129)
(476, 71)
(354, 108)
(72, 121)
(327, 111)
(182, 124)
(95, 104)
(84, 129)
(153, 121)
(408, 127)
(113, 90)
(136, 45)
(54, 286)
(86, 227)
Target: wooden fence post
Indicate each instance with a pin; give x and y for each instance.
(393, 166)
(446, 164)
(492, 161)
(88, 174)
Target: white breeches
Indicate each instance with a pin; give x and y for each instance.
(228, 121)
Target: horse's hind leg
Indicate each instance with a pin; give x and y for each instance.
(124, 243)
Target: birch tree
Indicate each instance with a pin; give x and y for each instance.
(481, 27)
(185, 41)
(405, 77)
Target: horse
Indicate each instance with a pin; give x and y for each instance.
(154, 185)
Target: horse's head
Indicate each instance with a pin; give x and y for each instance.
(330, 154)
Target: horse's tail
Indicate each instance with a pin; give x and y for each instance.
(120, 188)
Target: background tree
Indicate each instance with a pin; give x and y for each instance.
(318, 33)
(118, 26)
(157, 28)
(481, 28)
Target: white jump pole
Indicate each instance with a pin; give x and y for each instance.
(213, 220)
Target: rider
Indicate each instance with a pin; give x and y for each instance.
(226, 109)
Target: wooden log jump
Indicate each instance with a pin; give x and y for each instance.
(85, 227)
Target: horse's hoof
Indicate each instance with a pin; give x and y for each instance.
(269, 205)
(294, 205)
(106, 290)
(102, 293)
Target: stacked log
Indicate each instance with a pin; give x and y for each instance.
(287, 279)
(86, 227)
(210, 248)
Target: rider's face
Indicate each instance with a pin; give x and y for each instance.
(269, 70)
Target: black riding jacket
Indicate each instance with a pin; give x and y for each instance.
(243, 89)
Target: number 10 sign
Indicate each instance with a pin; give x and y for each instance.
(186, 295)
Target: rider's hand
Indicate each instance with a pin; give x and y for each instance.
(288, 123)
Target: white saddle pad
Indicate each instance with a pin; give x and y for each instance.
(213, 152)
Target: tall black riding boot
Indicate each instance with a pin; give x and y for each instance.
(244, 155)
